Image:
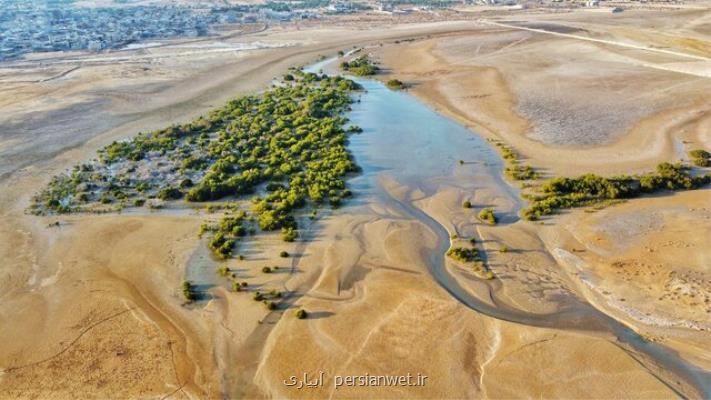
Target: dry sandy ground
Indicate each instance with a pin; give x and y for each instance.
(91, 309)
(550, 96)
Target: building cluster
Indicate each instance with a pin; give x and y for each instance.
(29, 26)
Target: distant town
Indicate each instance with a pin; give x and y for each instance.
(59, 25)
(31, 26)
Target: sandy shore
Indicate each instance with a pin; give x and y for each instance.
(91, 307)
(565, 104)
(642, 262)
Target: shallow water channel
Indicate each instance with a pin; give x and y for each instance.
(412, 144)
(405, 141)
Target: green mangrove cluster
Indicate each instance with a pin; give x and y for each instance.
(396, 84)
(560, 193)
(515, 169)
(700, 157)
(472, 256)
(286, 146)
(361, 66)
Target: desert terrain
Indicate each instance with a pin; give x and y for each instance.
(91, 308)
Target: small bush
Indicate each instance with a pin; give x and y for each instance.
(464, 254)
(284, 254)
(396, 84)
(699, 153)
(223, 270)
(700, 157)
(289, 234)
(467, 204)
(361, 66)
(188, 291)
(301, 314)
(169, 193)
(701, 162)
(267, 270)
(487, 215)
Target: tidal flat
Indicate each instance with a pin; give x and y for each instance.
(579, 306)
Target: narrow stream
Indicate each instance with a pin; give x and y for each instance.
(407, 141)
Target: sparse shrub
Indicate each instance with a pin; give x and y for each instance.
(361, 66)
(464, 254)
(396, 84)
(487, 215)
(169, 193)
(700, 157)
(699, 153)
(188, 291)
(289, 234)
(267, 270)
(301, 313)
(283, 254)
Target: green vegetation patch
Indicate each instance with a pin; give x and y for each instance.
(286, 147)
(515, 169)
(396, 84)
(464, 254)
(361, 66)
(487, 214)
(188, 291)
(561, 193)
(700, 157)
